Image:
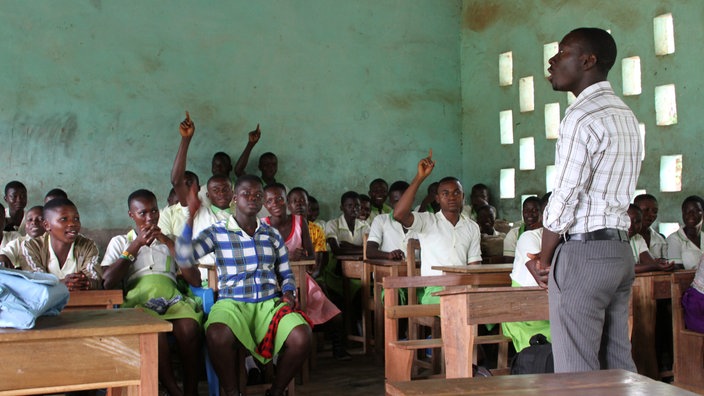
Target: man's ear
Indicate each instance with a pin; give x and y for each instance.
(129, 213)
(590, 61)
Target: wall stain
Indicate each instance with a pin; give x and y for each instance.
(97, 4)
(481, 15)
(406, 100)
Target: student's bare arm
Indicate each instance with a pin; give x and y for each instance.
(374, 252)
(241, 164)
(118, 269)
(539, 263)
(402, 210)
(648, 263)
(343, 248)
(307, 242)
(187, 128)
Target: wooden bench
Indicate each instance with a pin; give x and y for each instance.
(602, 383)
(399, 354)
(93, 299)
(688, 348)
(462, 310)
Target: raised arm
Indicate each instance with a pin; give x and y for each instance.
(178, 180)
(402, 210)
(241, 164)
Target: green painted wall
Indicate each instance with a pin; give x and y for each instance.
(93, 92)
(490, 28)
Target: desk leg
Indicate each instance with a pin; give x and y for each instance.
(457, 336)
(149, 352)
(643, 340)
(366, 313)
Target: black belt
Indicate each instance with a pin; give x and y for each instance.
(604, 234)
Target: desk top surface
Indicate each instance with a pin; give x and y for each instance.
(101, 322)
(661, 274)
(386, 262)
(350, 257)
(475, 269)
(605, 382)
(301, 263)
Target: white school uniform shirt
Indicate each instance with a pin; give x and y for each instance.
(53, 265)
(14, 250)
(510, 241)
(529, 242)
(445, 244)
(388, 233)
(338, 230)
(658, 244)
(682, 251)
(638, 246)
(153, 259)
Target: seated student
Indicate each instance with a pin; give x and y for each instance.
(142, 260)
(365, 208)
(685, 246)
(388, 239)
(693, 301)
(297, 203)
(254, 278)
(378, 191)
(55, 193)
(292, 227)
(530, 241)
(12, 253)
(62, 250)
(446, 237)
(532, 219)
(219, 193)
(655, 241)
(221, 165)
(492, 241)
(429, 204)
(268, 162)
(644, 260)
(172, 199)
(478, 196)
(314, 212)
(16, 198)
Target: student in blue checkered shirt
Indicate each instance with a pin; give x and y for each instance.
(254, 278)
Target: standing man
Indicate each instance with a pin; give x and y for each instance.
(585, 250)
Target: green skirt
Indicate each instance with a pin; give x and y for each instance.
(521, 332)
(155, 286)
(249, 322)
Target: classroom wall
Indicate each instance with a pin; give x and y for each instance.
(492, 27)
(93, 92)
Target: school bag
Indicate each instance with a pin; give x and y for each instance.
(534, 359)
(25, 296)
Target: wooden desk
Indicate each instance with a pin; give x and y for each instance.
(300, 269)
(602, 383)
(489, 274)
(648, 287)
(83, 350)
(93, 299)
(212, 275)
(353, 267)
(463, 308)
(381, 268)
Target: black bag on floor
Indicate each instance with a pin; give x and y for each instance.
(535, 359)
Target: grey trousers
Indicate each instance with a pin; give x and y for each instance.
(589, 292)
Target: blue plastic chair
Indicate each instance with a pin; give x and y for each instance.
(208, 296)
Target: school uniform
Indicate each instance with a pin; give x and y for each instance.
(445, 244)
(389, 234)
(521, 332)
(512, 238)
(658, 244)
(682, 251)
(82, 257)
(14, 249)
(638, 246)
(337, 229)
(151, 276)
(385, 209)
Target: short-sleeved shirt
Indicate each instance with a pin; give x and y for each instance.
(337, 229)
(153, 259)
(251, 268)
(682, 251)
(173, 220)
(7, 237)
(658, 244)
(445, 244)
(638, 246)
(14, 250)
(389, 234)
(375, 212)
(511, 239)
(529, 242)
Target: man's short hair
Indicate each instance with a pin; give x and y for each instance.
(57, 203)
(377, 180)
(223, 155)
(16, 185)
(695, 199)
(364, 198)
(600, 43)
(450, 179)
(275, 185)
(531, 199)
(249, 179)
(56, 193)
(267, 154)
(191, 175)
(140, 194)
(218, 178)
(348, 195)
(399, 185)
(298, 189)
(644, 197)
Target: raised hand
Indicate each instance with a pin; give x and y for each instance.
(187, 126)
(426, 165)
(255, 135)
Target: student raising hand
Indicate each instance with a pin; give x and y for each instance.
(255, 135)
(187, 127)
(426, 165)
